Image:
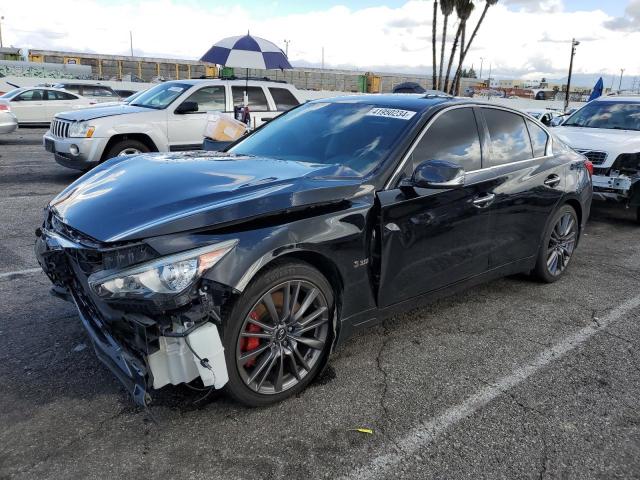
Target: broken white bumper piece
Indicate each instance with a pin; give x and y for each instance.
(176, 363)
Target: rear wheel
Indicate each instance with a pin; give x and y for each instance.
(279, 334)
(558, 245)
(126, 147)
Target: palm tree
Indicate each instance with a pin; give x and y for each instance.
(465, 49)
(462, 6)
(446, 7)
(433, 42)
(465, 12)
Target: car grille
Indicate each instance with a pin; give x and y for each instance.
(595, 157)
(60, 128)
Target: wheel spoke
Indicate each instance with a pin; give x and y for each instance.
(263, 326)
(256, 335)
(311, 296)
(271, 308)
(280, 375)
(286, 301)
(252, 354)
(301, 359)
(310, 318)
(310, 342)
(267, 371)
(312, 326)
(552, 261)
(294, 366)
(260, 367)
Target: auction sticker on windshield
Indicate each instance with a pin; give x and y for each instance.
(391, 113)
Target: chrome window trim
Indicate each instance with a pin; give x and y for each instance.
(548, 153)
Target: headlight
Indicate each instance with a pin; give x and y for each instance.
(170, 275)
(81, 130)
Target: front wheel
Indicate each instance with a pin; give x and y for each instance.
(558, 245)
(279, 334)
(126, 147)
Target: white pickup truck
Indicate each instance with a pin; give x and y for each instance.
(168, 117)
(607, 132)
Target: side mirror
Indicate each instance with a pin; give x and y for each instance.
(436, 174)
(186, 107)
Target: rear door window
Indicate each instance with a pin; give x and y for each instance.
(257, 98)
(283, 98)
(453, 137)
(209, 99)
(30, 96)
(509, 137)
(539, 139)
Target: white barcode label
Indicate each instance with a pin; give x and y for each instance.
(391, 113)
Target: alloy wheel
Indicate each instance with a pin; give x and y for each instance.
(283, 337)
(561, 244)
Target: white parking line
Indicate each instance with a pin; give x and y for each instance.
(27, 271)
(426, 433)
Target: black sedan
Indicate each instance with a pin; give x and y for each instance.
(244, 269)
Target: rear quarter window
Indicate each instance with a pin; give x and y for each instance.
(509, 137)
(283, 98)
(539, 139)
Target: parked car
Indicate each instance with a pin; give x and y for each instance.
(8, 121)
(38, 105)
(544, 115)
(170, 116)
(96, 92)
(607, 132)
(246, 268)
(124, 93)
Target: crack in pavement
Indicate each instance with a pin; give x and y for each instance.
(385, 383)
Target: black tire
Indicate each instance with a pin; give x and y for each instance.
(246, 306)
(638, 215)
(550, 245)
(119, 148)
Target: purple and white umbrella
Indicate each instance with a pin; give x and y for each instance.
(247, 52)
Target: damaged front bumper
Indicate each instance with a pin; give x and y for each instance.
(143, 351)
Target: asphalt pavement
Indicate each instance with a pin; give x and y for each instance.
(512, 379)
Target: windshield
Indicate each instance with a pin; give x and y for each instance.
(12, 93)
(160, 96)
(353, 136)
(612, 115)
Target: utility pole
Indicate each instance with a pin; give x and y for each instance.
(489, 83)
(1, 18)
(131, 41)
(574, 44)
(322, 58)
(620, 84)
(481, 60)
(286, 52)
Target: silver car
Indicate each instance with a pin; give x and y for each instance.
(8, 121)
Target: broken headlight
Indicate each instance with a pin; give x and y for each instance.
(172, 274)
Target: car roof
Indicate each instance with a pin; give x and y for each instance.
(235, 81)
(619, 98)
(412, 101)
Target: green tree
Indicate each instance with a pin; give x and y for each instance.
(446, 7)
(463, 10)
(488, 3)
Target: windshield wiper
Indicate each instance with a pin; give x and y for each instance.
(143, 106)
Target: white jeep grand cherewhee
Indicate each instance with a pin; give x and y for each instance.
(170, 116)
(607, 132)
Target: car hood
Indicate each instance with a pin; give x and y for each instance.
(607, 140)
(100, 112)
(136, 197)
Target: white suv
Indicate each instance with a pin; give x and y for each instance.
(607, 132)
(168, 117)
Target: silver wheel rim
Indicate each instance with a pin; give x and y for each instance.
(129, 151)
(283, 336)
(561, 244)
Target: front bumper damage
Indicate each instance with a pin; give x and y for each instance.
(144, 350)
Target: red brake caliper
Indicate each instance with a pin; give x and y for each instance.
(250, 343)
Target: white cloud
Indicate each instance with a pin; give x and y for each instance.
(521, 38)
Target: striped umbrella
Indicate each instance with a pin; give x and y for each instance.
(247, 52)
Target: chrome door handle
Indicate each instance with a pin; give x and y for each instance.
(484, 201)
(552, 181)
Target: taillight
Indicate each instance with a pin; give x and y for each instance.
(4, 108)
(589, 166)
